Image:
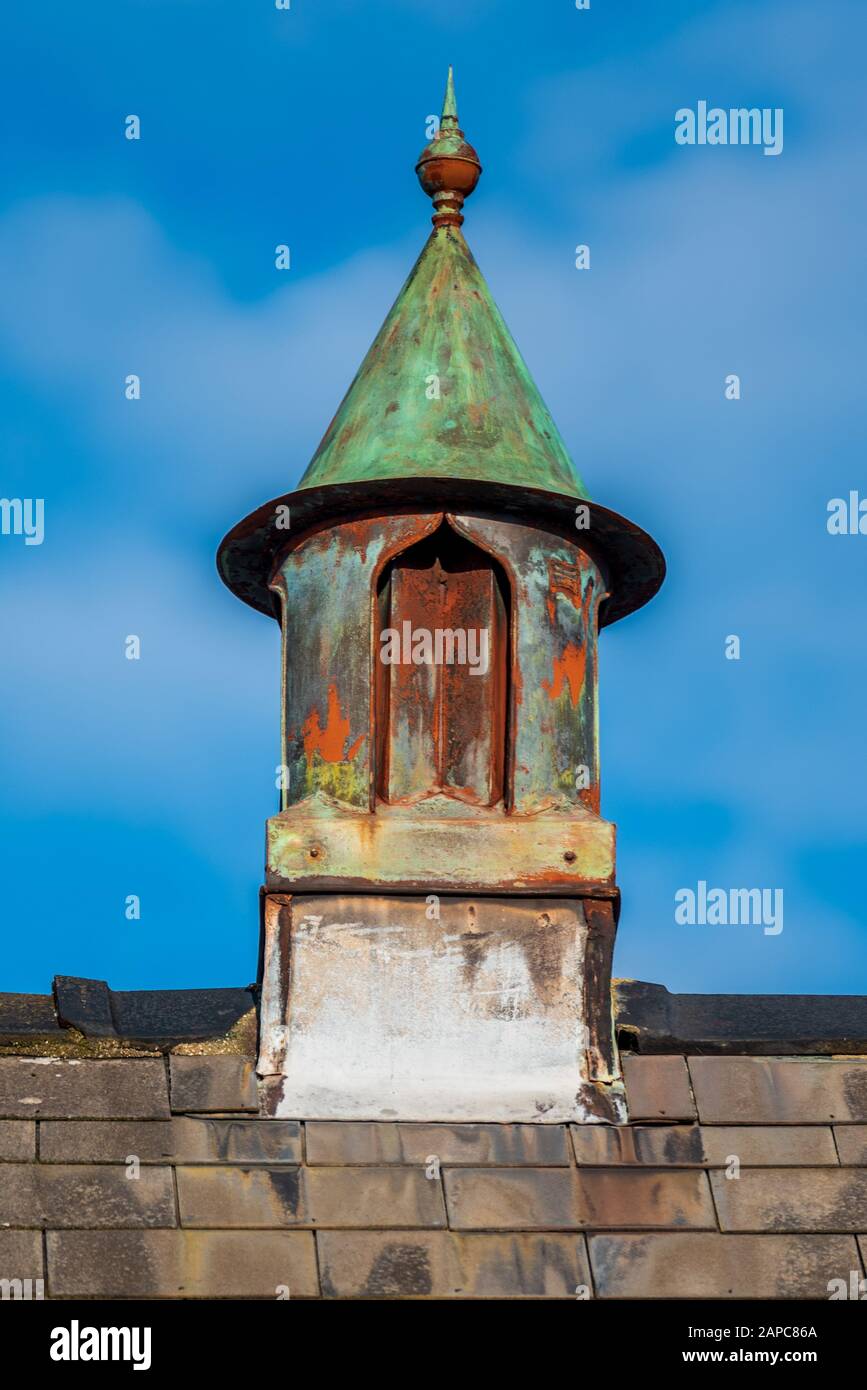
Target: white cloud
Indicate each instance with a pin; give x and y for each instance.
(235, 396)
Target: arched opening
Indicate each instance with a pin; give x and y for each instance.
(442, 663)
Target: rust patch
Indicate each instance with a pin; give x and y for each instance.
(330, 741)
(568, 669)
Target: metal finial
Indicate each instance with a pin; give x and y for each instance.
(449, 168)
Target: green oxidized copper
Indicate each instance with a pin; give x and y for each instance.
(443, 391)
(443, 411)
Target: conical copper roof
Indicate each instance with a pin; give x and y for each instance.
(443, 412)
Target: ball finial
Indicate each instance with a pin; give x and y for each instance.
(448, 168)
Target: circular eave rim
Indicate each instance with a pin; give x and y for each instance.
(633, 563)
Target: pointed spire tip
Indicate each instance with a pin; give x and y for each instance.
(450, 105)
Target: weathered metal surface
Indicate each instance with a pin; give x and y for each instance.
(326, 587)
(402, 741)
(475, 1016)
(557, 589)
(443, 722)
(516, 745)
(443, 397)
(403, 851)
(632, 561)
(443, 390)
(481, 418)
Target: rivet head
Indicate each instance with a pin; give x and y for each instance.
(569, 856)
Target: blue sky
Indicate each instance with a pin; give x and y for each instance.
(156, 257)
